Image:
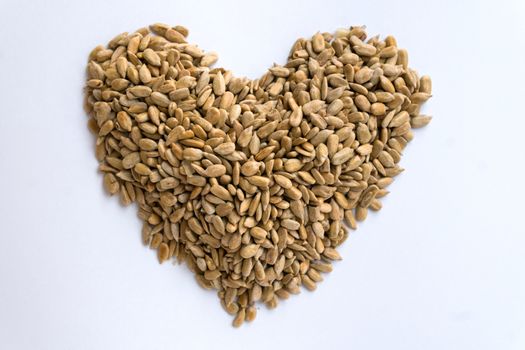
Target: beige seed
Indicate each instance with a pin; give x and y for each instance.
(258, 232)
(225, 149)
(140, 91)
(110, 183)
(362, 103)
(160, 99)
(283, 181)
(363, 134)
(318, 229)
(251, 313)
(239, 319)
(378, 108)
(163, 252)
(249, 251)
(313, 107)
(106, 128)
(365, 50)
(425, 84)
(151, 57)
(335, 107)
(331, 254)
(322, 266)
(209, 59)
(290, 224)
(361, 213)
(168, 183)
(292, 165)
(308, 283)
(142, 169)
(212, 275)
(420, 121)
(386, 159)
(318, 42)
(259, 181)
(221, 192)
(159, 28)
(376, 205)
(363, 75)
(342, 156)
(419, 97)
(245, 137)
(219, 87)
(192, 154)
(119, 84)
(124, 121)
(350, 219)
(174, 36)
(364, 150)
(250, 168)
(215, 170)
(144, 74)
(147, 144)
(130, 160)
(296, 117)
(399, 119)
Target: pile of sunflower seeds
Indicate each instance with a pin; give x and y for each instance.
(249, 181)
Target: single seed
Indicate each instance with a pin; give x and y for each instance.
(215, 170)
(342, 156)
(283, 181)
(249, 251)
(163, 252)
(151, 57)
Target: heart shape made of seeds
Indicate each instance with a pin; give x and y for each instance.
(248, 181)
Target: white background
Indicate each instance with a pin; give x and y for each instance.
(440, 267)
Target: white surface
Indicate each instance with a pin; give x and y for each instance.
(440, 267)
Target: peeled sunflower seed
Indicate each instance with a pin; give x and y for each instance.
(248, 181)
